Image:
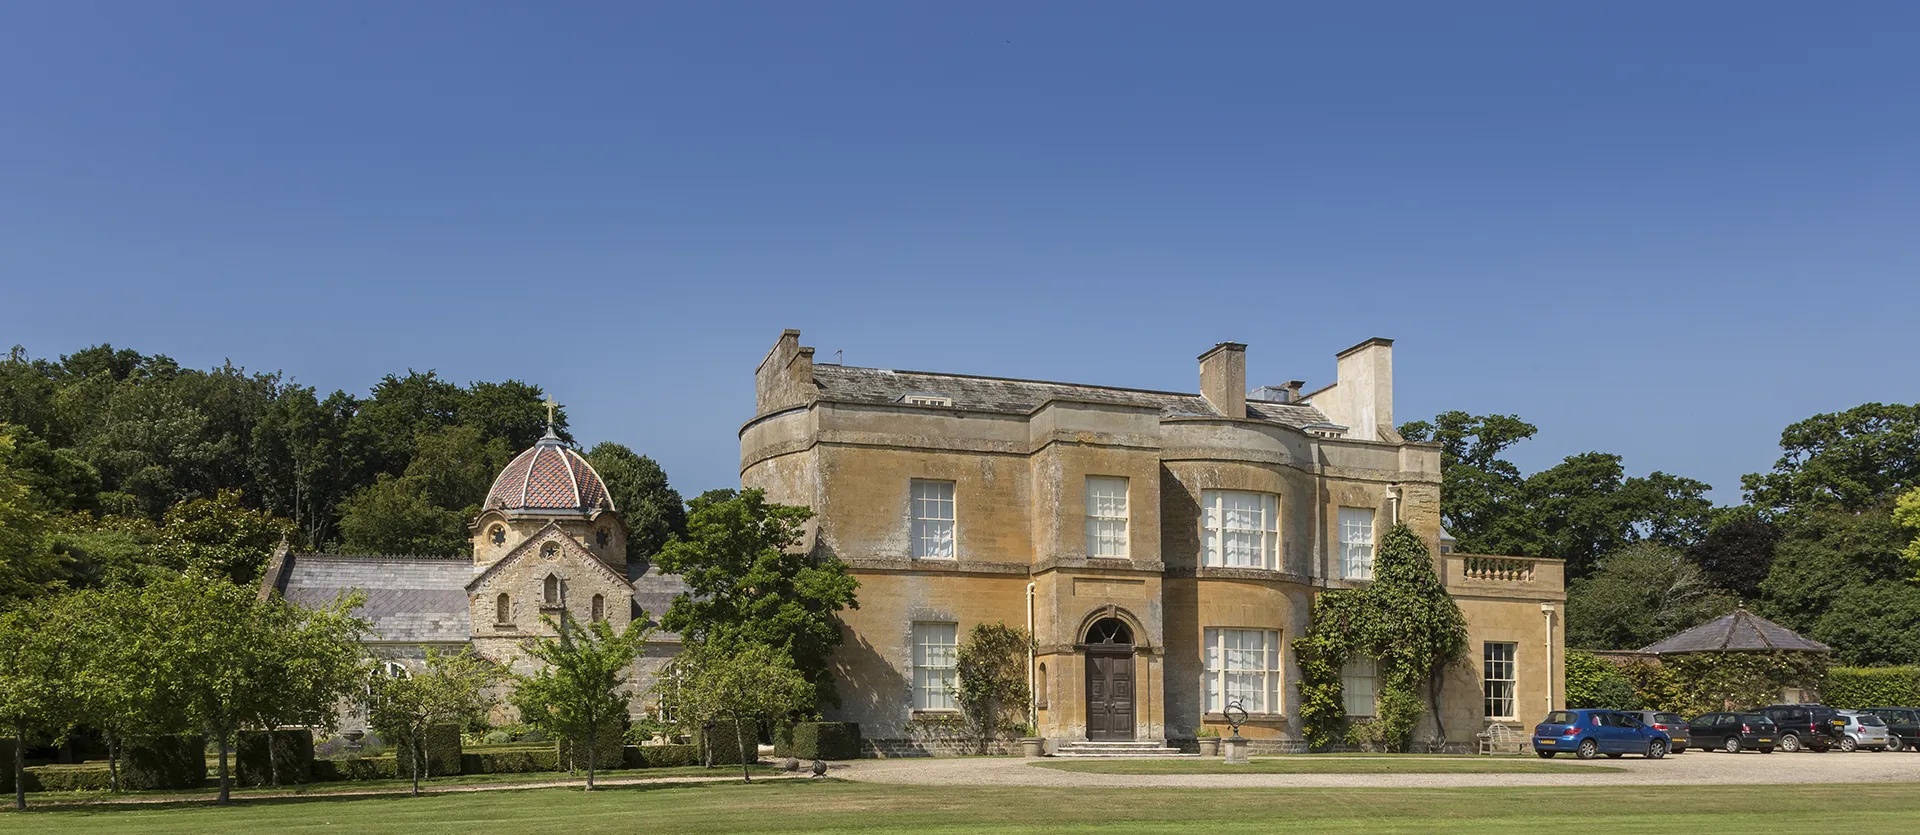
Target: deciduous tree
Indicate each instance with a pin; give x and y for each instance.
(450, 691)
(1641, 593)
(652, 509)
(580, 691)
(739, 683)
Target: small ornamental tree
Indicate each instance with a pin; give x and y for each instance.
(307, 661)
(744, 682)
(579, 692)
(1406, 622)
(451, 691)
(992, 692)
(31, 690)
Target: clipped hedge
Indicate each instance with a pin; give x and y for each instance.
(89, 777)
(511, 762)
(1858, 687)
(662, 756)
(607, 744)
(164, 762)
(358, 768)
(443, 753)
(294, 748)
(818, 741)
(726, 751)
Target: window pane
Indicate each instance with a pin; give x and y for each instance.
(933, 665)
(932, 526)
(1356, 543)
(1242, 665)
(1239, 529)
(1500, 684)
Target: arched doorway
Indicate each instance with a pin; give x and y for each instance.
(1109, 662)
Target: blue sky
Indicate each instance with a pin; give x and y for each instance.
(1664, 230)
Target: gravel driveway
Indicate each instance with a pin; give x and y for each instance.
(1692, 768)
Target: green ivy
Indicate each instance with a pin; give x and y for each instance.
(1858, 687)
(1406, 622)
(1594, 683)
(1704, 682)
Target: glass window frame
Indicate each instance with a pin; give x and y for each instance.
(927, 497)
(1107, 533)
(1220, 675)
(934, 666)
(1216, 530)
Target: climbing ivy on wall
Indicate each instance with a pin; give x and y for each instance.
(1705, 682)
(1406, 622)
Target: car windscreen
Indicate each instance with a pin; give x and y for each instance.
(1872, 721)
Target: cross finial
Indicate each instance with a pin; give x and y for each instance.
(551, 405)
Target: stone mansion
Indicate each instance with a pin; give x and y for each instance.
(1163, 546)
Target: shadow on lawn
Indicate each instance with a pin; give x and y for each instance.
(55, 807)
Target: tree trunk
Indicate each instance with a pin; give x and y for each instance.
(1434, 682)
(113, 762)
(226, 779)
(706, 744)
(419, 747)
(593, 737)
(740, 741)
(273, 757)
(20, 766)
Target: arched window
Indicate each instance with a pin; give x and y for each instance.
(600, 537)
(599, 608)
(552, 590)
(499, 534)
(502, 609)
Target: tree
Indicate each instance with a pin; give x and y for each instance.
(28, 566)
(306, 662)
(111, 635)
(1906, 514)
(219, 536)
(579, 691)
(1405, 621)
(396, 516)
(992, 668)
(1847, 460)
(1481, 490)
(208, 653)
(739, 682)
(32, 687)
(748, 585)
(451, 691)
(653, 511)
(1641, 593)
(1594, 683)
(1838, 577)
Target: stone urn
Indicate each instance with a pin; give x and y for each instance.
(1033, 746)
(1209, 746)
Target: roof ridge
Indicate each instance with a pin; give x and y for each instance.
(1012, 380)
(326, 555)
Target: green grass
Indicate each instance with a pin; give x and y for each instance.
(352, 787)
(797, 806)
(1323, 765)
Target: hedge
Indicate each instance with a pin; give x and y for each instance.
(511, 762)
(88, 777)
(359, 768)
(295, 749)
(607, 744)
(443, 753)
(726, 751)
(164, 762)
(662, 756)
(1858, 687)
(818, 741)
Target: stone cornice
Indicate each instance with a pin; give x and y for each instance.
(1083, 565)
(903, 565)
(1211, 572)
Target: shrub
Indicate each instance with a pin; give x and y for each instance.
(89, 777)
(818, 741)
(294, 748)
(511, 762)
(1594, 683)
(662, 756)
(497, 736)
(1858, 687)
(726, 751)
(443, 753)
(164, 762)
(359, 768)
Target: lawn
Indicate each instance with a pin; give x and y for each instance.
(1328, 765)
(352, 787)
(830, 806)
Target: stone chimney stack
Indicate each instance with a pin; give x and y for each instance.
(1364, 381)
(1223, 378)
(785, 377)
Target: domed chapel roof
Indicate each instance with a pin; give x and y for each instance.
(549, 476)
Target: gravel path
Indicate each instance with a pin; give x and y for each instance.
(1693, 768)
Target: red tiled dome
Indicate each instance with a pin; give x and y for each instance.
(549, 476)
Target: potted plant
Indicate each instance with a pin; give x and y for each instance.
(1031, 744)
(1209, 741)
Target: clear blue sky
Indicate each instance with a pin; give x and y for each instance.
(1663, 229)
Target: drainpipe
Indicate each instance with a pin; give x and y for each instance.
(1033, 702)
(1546, 609)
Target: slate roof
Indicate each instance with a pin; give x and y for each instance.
(409, 599)
(998, 394)
(549, 476)
(1741, 630)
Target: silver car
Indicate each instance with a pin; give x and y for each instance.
(1864, 730)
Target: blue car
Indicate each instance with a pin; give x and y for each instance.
(1589, 733)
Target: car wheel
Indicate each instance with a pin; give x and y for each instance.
(1848, 744)
(1895, 743)
(1790, 743)
(1732, 746)
(1656, 749)
(1546, 755)
(1588, 750)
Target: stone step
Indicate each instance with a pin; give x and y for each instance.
(1117, 749)
(1143, 755)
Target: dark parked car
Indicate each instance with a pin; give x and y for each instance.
(1905, 724)
(1589, 733)
(1734, 732)
(1671, 724)
(1804, 727)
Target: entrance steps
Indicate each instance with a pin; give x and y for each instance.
(1136, 749)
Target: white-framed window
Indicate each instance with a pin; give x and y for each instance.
(1240, 530)
(933, 665)
(1358, 683)
(932, 519)
(1356, 543)
(1106, 516)
(1243, 664)
(926, 400)
(1500, 678)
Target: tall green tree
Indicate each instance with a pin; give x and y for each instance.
(1906, 514)
(1737, 551)
(1838, 577)
(750, 584)
(580, 691)
(451, 691)
(1641, 593)
(397, 516)
(1847, 460)
(33, 686)
(28, 565)
(653, 510)
(219, 536)
(306, 662)
(740, 682)
(110, 636)
(212, 653)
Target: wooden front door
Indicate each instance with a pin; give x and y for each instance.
(1109, 695)
(1109, 661)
